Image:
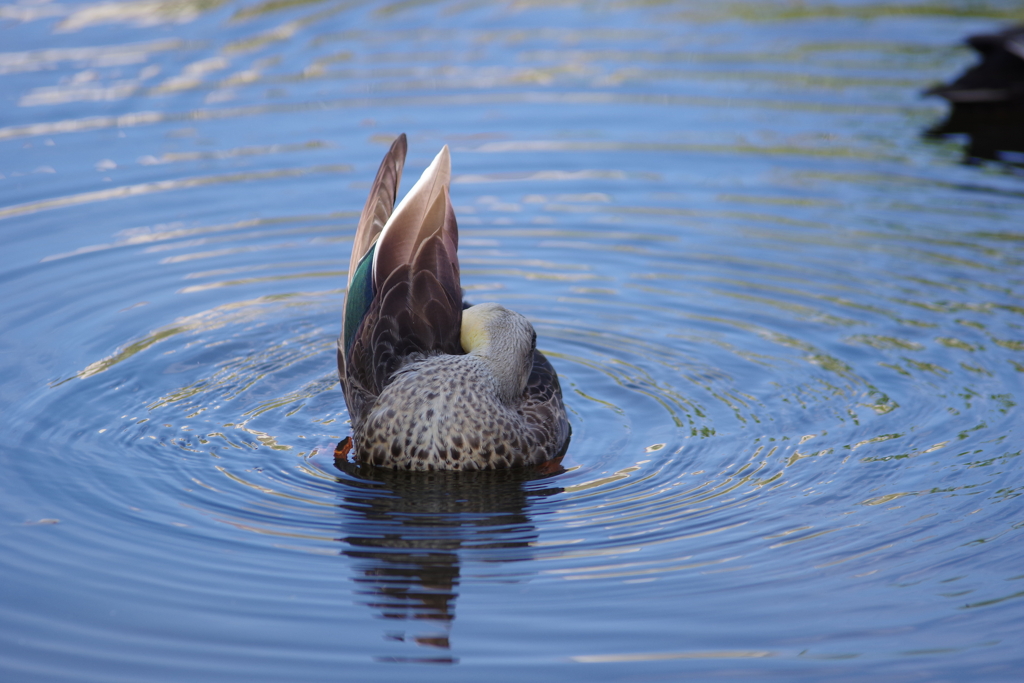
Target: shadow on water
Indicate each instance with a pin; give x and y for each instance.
(410, 534)
(987, 100)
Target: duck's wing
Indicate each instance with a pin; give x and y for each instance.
(409, 280)
(378, 209)
(380, 203)
(546, 420)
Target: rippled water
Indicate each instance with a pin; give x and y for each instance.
(790, 332)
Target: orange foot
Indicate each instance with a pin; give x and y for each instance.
(343, 448)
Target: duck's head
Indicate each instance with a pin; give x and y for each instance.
(505, 340)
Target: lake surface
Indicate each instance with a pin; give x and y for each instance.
(789, 329)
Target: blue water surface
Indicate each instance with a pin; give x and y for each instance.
(790, 332)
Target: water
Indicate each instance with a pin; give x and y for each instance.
(789, 330)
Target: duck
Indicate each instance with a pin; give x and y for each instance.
(430, 381)
(987, 100)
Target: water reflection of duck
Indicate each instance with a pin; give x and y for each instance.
(988, 99)
(410, 529)
(428, 384)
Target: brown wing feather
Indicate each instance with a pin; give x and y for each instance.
(380, 203)
(378, 208)
(420, 305)
(420, 213)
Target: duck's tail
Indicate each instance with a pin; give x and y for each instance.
(404, 296)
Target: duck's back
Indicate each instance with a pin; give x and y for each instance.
(443, 412)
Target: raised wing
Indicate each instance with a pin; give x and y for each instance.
(376, 212)
(380, 203)
(408, 282)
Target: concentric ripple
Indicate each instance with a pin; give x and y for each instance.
(788, 330)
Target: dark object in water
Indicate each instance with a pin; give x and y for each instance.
(988, 99)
